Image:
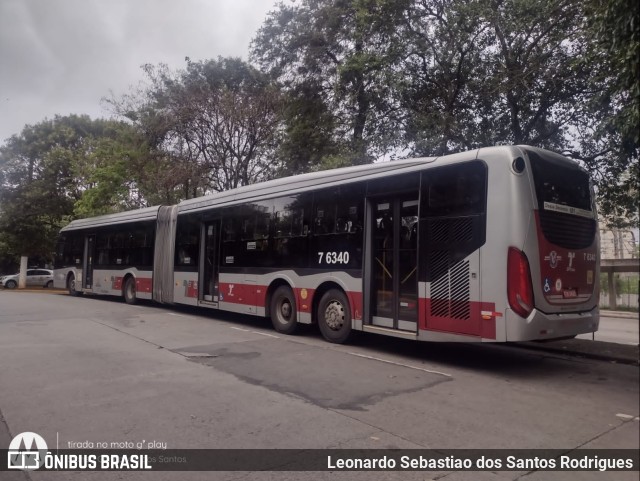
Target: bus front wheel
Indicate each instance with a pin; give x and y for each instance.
(334, 316)
(284, 313)
(129, 290)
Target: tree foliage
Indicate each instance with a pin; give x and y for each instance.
(614, 27)
(216, 123)
(429, 77)
(341, 82)
(337, 51)
(57, 169)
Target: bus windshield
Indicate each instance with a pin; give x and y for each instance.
(559, 187)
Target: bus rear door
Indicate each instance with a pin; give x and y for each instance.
(393, 298)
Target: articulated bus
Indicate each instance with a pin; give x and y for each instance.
(497, 244)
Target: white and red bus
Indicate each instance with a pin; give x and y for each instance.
(496, 244)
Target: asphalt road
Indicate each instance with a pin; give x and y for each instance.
(99, 370)
(618, 327)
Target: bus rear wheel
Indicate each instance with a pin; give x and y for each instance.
(283, 310)
(129, 291)
(71, 286)
(334, 316)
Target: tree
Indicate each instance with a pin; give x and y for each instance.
(110, 172)
(215, 124)
(492, 72)
(439, 95)
(308, 133)
(338, 52)
(55, 170)
(37, 191)
(429, 77)
(615, 45)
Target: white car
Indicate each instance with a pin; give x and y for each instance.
(35, 277)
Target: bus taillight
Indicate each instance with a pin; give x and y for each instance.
(519, 287)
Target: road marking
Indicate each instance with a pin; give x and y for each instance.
(265, 334)
(192, 355)
(399, 364)
(254, 332)
(626, 417)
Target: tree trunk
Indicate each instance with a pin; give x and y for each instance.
(22, 279)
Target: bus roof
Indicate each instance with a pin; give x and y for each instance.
(299, 183)
(283, 186)
(147, 213)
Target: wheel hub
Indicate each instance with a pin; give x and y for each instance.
(285, 310)
(334, 315)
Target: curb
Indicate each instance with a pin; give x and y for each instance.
(619, 314)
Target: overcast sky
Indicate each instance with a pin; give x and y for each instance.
(63, 56)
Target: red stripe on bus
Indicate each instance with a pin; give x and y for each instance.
(247, 294)
(256, 295)
(475, 325)
(355, 298)
(191, 289)
(304, 299)
(144, 284)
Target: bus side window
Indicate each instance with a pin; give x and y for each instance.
(248, 227)
(456, 191)
(229, 229)
(187, 242)
(325, 218)
(283, 223)
(263, 220)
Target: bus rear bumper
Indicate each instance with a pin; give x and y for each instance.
(541, 326)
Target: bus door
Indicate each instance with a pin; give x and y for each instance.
(393, 299)
(87, 265)
(208, 276)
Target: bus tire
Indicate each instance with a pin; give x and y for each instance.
(71, 286)
(283, 310)
(334, 316)
(129, 290)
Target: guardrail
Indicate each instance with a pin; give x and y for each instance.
(611, 266)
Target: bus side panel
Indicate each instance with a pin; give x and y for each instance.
(110, 282)
(453, 235)
(509, 206)
(237, 294)
(453, 299)
(61, 274)
(185, 288)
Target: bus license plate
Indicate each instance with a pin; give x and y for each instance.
(570, 293)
